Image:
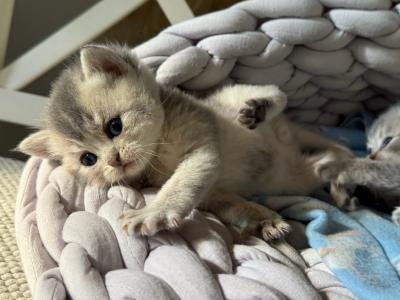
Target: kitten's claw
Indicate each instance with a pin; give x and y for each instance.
(268, 229)
(343, 195)
(396, 216)
(254, 112)
(148, 221)
(274, 229)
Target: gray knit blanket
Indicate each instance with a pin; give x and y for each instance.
(332, 57)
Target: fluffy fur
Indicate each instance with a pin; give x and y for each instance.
(212, 153)
(380, 171)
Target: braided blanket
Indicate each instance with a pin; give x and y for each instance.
(332, 57)
(72, 244)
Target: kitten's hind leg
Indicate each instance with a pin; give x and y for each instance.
(254, 112)
(248, 105)
(245, 217)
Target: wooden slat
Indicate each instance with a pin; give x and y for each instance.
(176, 10)
(65, 42)
(21, 108)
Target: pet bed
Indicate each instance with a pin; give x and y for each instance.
(332, 57)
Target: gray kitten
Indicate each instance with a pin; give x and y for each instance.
(380, 171)
(108, 121)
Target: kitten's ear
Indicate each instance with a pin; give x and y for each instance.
(37, 144)
(98, 59)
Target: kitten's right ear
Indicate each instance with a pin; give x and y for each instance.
(37, 144)
(99, 59)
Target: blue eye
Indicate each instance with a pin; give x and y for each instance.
(88, 159)
(114, 127)
(369, 151)
(386, 141)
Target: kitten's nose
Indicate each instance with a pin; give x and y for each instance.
(115, 161)
(373, 155)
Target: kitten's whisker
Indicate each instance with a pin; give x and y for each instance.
(166, 98)
(154, 168)
(153, 154)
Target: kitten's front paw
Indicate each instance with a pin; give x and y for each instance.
(343, 195)
(148, 221)
(396, 216)
(274, 229)
(254, 112)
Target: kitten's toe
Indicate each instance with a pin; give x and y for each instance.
(351, 204)
(253, 112)
(396, 216)
(274, 229)
(147, 222)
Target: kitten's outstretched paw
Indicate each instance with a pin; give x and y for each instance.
(396, 216)
(329, 165)
(274, 229)
(149, 221)
(254, 112)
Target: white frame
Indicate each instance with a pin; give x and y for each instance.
(6, 11)
(64, 42)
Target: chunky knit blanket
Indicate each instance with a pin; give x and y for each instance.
(332, 57)
(72, 245)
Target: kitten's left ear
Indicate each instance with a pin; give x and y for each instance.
(99, 59)
(37, 144)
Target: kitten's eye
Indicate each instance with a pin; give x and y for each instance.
(386, 141)
(88, 159)
(369, 151)
(114, 127)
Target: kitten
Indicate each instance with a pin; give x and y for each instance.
(108, 121)
(380, 171)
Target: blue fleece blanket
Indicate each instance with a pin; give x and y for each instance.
(362, 248)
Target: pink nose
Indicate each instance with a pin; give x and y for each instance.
(115, 161)
(373, 156)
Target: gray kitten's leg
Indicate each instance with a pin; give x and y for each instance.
(376, 175)
(182, 192)
(396, 215)
(246, 217)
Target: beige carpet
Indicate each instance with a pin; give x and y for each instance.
(13, 284)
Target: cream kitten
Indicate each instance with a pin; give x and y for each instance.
(108, 121)
(379, 172)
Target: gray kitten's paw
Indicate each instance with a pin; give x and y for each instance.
(254, 112)
(343, 196)
(396, 215)
(148, 221)
(274, 229)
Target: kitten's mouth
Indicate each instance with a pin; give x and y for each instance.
(128, 165)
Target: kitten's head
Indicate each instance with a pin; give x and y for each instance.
(384, 135)
(104, 117)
